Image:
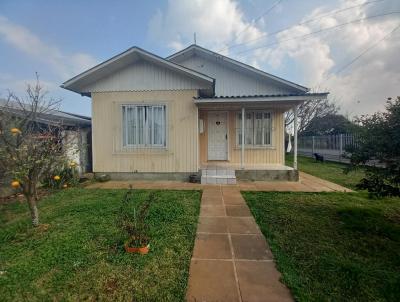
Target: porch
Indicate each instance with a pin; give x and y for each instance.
(243, 138)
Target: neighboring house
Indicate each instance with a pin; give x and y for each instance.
(77, 129)
(168, 118)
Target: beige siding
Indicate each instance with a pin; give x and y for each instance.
(180, 155)
(270, 155)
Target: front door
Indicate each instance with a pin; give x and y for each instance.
(217, 136)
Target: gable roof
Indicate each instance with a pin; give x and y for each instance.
(123, 59)
(196, 49)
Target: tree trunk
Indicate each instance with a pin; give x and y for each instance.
(29, 193)
(35, 193)
(34, 211)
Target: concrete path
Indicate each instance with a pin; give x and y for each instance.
(231, 259)
(307, 183)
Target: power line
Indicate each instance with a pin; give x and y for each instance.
(255, 20)
(316, 32)
(300, 23)
(360, 55)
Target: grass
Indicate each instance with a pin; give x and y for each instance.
(333, 246)
(80, 256)
(331, 171)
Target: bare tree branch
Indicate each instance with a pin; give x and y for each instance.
(308, 111)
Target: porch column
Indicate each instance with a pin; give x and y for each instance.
(295, 109)
(242, 150)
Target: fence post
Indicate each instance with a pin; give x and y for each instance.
(313, 145)
(341, 147)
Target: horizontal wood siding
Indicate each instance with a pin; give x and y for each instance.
(143, 76)
(268, 155)
(180, 155)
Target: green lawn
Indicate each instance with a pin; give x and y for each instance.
(331, 171)
(80, 256)
(333, 246)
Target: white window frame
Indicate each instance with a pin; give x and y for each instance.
(146, 143)
(239, 129)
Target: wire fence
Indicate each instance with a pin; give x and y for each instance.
(332, 147)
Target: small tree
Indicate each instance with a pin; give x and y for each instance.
(378, 151)
(30, 145)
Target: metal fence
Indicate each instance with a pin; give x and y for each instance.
(332, 147)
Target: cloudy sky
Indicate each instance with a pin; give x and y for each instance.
(350, 48)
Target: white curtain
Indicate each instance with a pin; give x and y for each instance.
(143, 125)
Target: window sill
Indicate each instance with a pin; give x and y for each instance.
(255, 147)
(139, 151)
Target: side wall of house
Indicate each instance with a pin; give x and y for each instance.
(274, 154)
(180, 154)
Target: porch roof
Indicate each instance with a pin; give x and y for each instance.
(266, 98)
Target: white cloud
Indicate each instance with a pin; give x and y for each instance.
(64, 65)
(361, 88)
(216, 23)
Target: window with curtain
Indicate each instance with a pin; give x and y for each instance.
(257, 127)
(143, 126)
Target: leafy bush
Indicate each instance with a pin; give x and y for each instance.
(132, 219)
(380, 182)
(379, 151)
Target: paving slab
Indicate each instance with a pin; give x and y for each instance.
(242, 225)
(250, 247)
(212, 211)
(212, 225)
(212, 246)
(259, 282)
(238, 211)
(212, 280)
(212, 200)
(234, 201)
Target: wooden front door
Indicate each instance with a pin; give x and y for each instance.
(217, 136)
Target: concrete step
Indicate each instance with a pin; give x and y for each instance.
(218, 176)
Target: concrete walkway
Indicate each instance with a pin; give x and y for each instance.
(231, 259)
(307, 183)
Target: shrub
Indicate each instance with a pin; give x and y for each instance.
(379, 151)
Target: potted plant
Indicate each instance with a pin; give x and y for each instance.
(133, 222)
